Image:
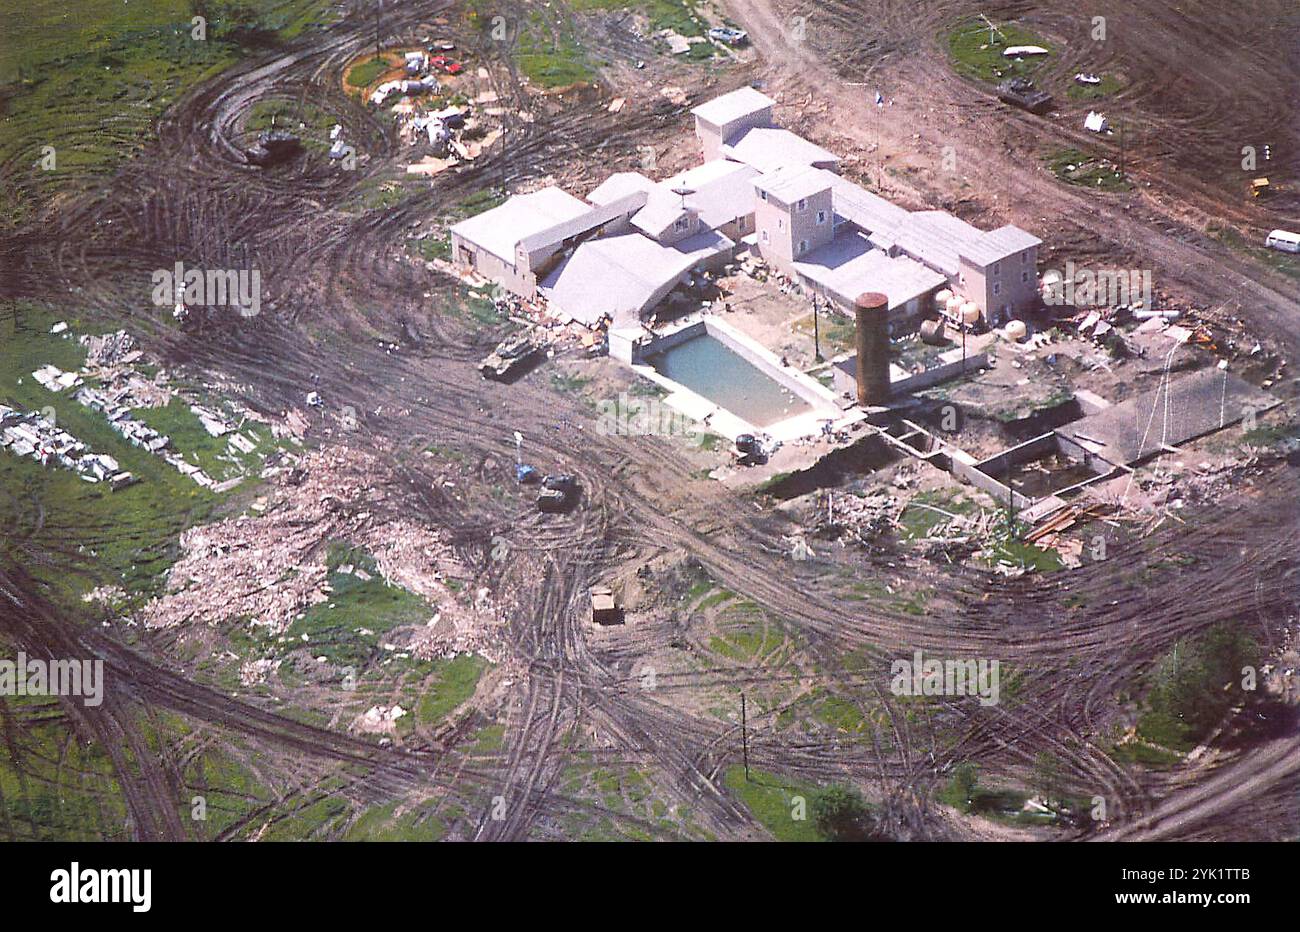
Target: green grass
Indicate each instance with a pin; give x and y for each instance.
(90, 83)
(367, 72)
(771, 800)
(129, 535)
(455, 681)
(1088, 171)
(663, 14)
(919, 522)
(550, 55)
(1109, 85)
(213, 455)
(311, 123)
(382, 823)
(974, 56)
(346, 629)
(1285, 262)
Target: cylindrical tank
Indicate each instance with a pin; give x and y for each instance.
(1016, 330)
(872, 312)
(941, 298)
(954, 304)
(932, 332)
(970, 313)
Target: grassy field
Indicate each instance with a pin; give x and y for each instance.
(772, 800)
(90, 83)
(131, 532)
(1109, 86)
(1089, 171)
(1285, 262)
(977, 54)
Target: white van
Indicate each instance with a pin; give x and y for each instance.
(1281, 239)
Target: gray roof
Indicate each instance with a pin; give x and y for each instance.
(553, 236)
(1000, 243)
(624, 274)
(618, 185)
(730, 107)
(661, 210)
(769, 147)
(499, 230)
(1184, 409)
(859, 206)
(791, 183)
(935, 237)
(849, 265)
(722, 190)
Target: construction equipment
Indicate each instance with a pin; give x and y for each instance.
(1259, 187)
(510, 354)
(1020, 92)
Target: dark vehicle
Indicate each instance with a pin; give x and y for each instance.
(728, 35)
(1020, 92)
(273, 147)
(510, 353)
(747, 444)
(558, 493)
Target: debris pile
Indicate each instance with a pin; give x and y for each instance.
(31, 434)
(270, 567)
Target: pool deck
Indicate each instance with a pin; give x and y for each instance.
(825, 406)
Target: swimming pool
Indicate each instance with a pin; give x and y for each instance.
(711, 369)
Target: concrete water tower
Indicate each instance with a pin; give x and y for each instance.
(872, 310)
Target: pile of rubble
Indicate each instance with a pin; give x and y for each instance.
(31, 434)
(269, 568)
(110, 349)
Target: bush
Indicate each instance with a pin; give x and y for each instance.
(840, 814)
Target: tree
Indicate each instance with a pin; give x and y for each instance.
(840, 814)
(964, 778)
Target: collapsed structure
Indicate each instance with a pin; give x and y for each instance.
(623, 250)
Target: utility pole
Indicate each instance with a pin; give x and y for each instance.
(817, 346)
(378, 4)
(744, 735)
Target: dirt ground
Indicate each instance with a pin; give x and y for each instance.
(718, 593)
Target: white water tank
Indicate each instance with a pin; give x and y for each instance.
(941, 298)
(970, 313)
(1016, 330)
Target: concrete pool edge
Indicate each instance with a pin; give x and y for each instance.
(825, 406)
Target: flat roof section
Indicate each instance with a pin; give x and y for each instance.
(730, 107)
(1190, 407)
(768, 148)
(500, 229)
(849, 266)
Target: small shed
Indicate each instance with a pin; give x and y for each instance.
(603, 609)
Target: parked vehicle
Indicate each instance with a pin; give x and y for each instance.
(1020, 92)
(728, 35)
(272, 147)
(557, 493)
(1283, 241)
(445, 65)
